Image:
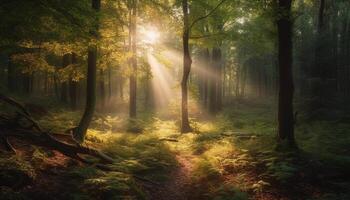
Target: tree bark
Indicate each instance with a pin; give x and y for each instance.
(286, 86)
(185, 124)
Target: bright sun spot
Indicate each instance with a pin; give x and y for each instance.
(151, 36)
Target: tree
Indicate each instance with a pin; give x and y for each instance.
(286, 86)
(187, 61)
(133, 75)
(80, 131)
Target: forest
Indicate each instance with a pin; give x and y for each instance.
(174, 99)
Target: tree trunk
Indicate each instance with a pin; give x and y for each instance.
(206, 77)
(102, 90)
(11, 75)
(73, 87)
(215, 80)
(80, 131)
(133, 75)
(26, 82)
(109, 83)
(185, 124)
(219, 80)
(55, 82)
(238, 80)
(64, 92)
(64, 86)
(244, 82)
(46, 83)
(286, 87)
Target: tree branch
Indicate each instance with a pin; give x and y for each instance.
(207, 15)
(207, 35)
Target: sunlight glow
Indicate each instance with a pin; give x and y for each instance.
(162, 81)
(150, 35)
(166, 79)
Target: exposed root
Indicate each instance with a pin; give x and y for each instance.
(8, 146)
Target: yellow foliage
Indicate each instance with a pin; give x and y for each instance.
(32, 62)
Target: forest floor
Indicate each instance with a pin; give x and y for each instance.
(177, 187)
(229, 157)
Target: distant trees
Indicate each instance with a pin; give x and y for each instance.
(322, 78)
(236, 49)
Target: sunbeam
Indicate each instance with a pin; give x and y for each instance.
(150, 35)
(163, 82)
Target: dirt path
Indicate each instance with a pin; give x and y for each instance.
(176, 188)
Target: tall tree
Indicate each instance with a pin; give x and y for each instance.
(133, 75)
(187, 61)
(80, 131)
(285, 59)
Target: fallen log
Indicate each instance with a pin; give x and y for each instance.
(35, 135)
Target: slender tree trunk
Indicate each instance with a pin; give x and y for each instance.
(215, 80)
(206, 77)
(73, 87)
(11, 75)
(286, 89)
(133, 76)
(238, 80)
(185, 124)
(73, 94)
(46, 83)
(219, 81)
(320, 53)
(224, 81)
(109, 83)
(25, 83)
(244, 82)
(80, 131)
(64, 85)
(102, 90)
(31, 80)
(64, 91)
(55, 80)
